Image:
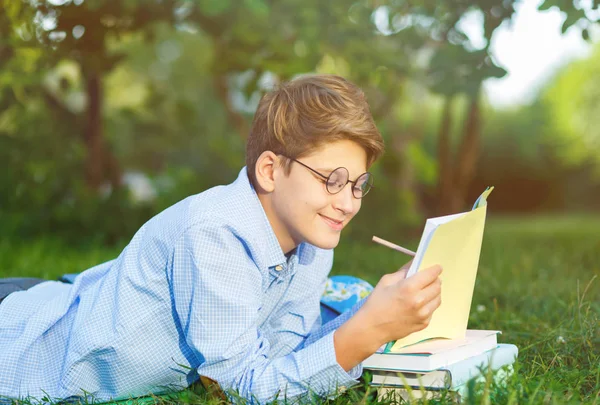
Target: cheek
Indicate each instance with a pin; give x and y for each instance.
(301, 200)
(357, 206)
(310, 204)
(312, 196)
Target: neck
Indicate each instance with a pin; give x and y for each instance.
(286, 242)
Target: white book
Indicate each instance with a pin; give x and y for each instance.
(451, 376)
(435, 353)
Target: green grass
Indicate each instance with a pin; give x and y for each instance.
(537, 282)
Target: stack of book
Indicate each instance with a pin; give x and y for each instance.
(438, 366)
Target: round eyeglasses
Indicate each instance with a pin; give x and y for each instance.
(338, 178)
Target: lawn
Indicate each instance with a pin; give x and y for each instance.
(537, 282)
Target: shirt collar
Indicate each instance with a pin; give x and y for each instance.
(263, 235)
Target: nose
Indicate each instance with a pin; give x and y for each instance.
(344, 200)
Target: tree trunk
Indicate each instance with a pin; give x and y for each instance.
(101, 164)
(445, 169)
(468, 154)
(93, 131)
(113, 172)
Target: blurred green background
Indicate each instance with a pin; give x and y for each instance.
(112, 111)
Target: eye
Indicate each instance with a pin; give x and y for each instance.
(363, 185)
(337, 180)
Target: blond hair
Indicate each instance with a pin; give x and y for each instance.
(303, 114)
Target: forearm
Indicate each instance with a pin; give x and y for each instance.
(333, 325)
(254, 376)
(355, 340)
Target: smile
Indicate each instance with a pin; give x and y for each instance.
(337, 225)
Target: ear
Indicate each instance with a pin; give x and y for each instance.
(264, 171)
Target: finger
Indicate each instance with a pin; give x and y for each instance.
(401, 273)
(397, 276)
(431, 292)
(426, 276)
(393, 278)
(431, 306)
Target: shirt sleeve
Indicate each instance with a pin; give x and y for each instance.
(331, 327)
(310, 305)
(216, 292)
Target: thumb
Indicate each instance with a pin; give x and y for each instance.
(400, 274)
(392, 278)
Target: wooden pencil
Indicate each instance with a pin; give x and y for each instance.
(393, 246)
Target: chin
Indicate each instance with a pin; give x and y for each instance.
(325, 242)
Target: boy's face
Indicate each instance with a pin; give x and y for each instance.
(303, 208)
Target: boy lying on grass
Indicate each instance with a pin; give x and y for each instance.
(226, 283)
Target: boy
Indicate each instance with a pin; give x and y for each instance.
(226, 284)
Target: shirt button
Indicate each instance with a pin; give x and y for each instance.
(278, 267)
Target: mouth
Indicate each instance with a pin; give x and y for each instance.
(333, 223)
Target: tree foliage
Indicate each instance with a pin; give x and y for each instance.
(573, 99)
(91, 90)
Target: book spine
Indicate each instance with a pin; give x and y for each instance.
(473, 367)
(435, 379)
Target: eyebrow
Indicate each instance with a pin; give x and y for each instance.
(328, 170)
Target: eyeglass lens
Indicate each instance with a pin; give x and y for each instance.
(338, 179)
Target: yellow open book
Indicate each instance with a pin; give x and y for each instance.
(454, 242)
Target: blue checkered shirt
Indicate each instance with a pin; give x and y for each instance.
(203, 288)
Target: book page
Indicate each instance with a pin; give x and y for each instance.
(456, 246)
(430, 226)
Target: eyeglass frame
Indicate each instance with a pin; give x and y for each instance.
(326, 178)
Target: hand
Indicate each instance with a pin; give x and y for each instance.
(399, 306)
